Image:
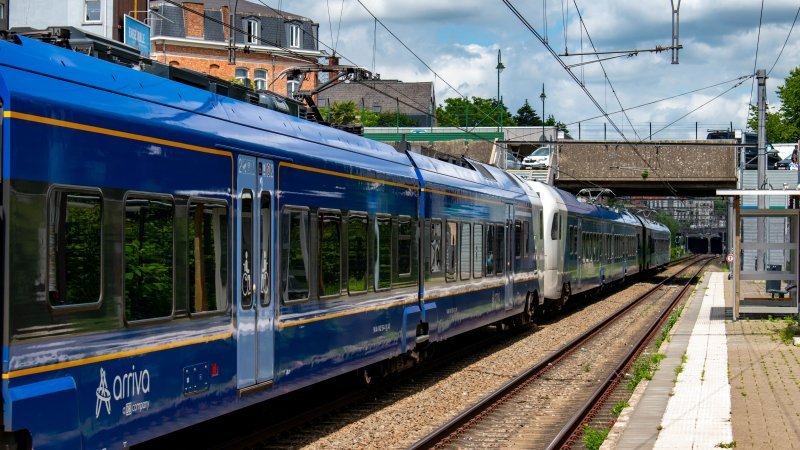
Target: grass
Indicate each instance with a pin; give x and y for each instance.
(673, 318)
(788, 332)
(593, 438)
(644, 368)
(617, 409)
(731, 444)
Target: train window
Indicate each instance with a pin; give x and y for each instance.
(526, 246)
(518, 244)
(330, 254)
(541, 224)
(295, 255)
(405, 231)
(246, 244)
(149, 231)
(477, 251)
(500, 249)
(357, 260)
(451, 249)
(465, 250)
(383, 256)
(208, 255)
(264, 269)
(491, 248)
(74, 248)
(436, 246)
(555, 232)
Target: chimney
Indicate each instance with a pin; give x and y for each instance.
(193, 20)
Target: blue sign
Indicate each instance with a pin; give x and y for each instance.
(137, 35)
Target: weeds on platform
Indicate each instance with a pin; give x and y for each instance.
(791, 330)
(644, 368)
(731, 444)
(618, 407)
(671, 321)
(593, 438)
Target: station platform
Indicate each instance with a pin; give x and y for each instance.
(723, 384)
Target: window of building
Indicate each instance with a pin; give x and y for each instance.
(73, 247)
(292, 86)
(357, 261)
(242, 74)
(376, 107)
(208, 256)
(294, 36)
(91, 9)
(260, 79)
(330, 254)
(252, 28)
(383, 250)
(149, 231)
(295, 256)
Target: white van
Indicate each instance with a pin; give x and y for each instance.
(539, 159)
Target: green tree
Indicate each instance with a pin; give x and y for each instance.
(460, 112)
(526, 115)
(778, 128)
(344, 113)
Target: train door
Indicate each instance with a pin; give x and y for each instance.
(255, 231)
(509, 259)
(578, 280)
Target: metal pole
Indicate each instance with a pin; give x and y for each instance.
(543, 97)
(579, 131)
(499, 68)
(695, 131)
(397, 112)
(604, 131)
(761, 77)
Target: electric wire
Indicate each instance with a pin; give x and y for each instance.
(758, 43)
(784, 42)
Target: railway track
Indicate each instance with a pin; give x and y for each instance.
(548, 405)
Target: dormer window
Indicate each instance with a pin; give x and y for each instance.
(253, 29)
(91, 9)
(294, 36)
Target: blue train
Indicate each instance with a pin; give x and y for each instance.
(170, 254)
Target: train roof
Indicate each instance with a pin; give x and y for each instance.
(652, 224)
(33, 56)
(481, 177)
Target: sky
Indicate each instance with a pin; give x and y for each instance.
(459, 40)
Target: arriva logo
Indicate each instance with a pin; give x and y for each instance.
(129, 385)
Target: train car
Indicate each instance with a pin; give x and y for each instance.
(655, 244)
(587, 246)
(477, 240)
(171, 255)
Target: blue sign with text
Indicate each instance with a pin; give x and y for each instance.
(137, 35)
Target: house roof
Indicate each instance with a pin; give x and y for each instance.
(243, 7)
(415, 98)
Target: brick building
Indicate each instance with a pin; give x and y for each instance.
(414, 99)
(268, 42)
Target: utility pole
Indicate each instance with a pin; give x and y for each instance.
(675, 31)
(499, 68)
(761, 76)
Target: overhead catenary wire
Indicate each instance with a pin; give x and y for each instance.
(758, 43)
(784, 42)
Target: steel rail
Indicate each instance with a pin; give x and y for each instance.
(466, 419)
(573, 429)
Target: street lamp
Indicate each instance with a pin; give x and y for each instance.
(543, 116)
(499, 68)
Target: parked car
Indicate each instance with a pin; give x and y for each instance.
(539, 159)
(750, 152)
(784, 163)
(512, 163)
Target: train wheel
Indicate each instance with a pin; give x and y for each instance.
(364, 376)
(565, 293)
(527, 316)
